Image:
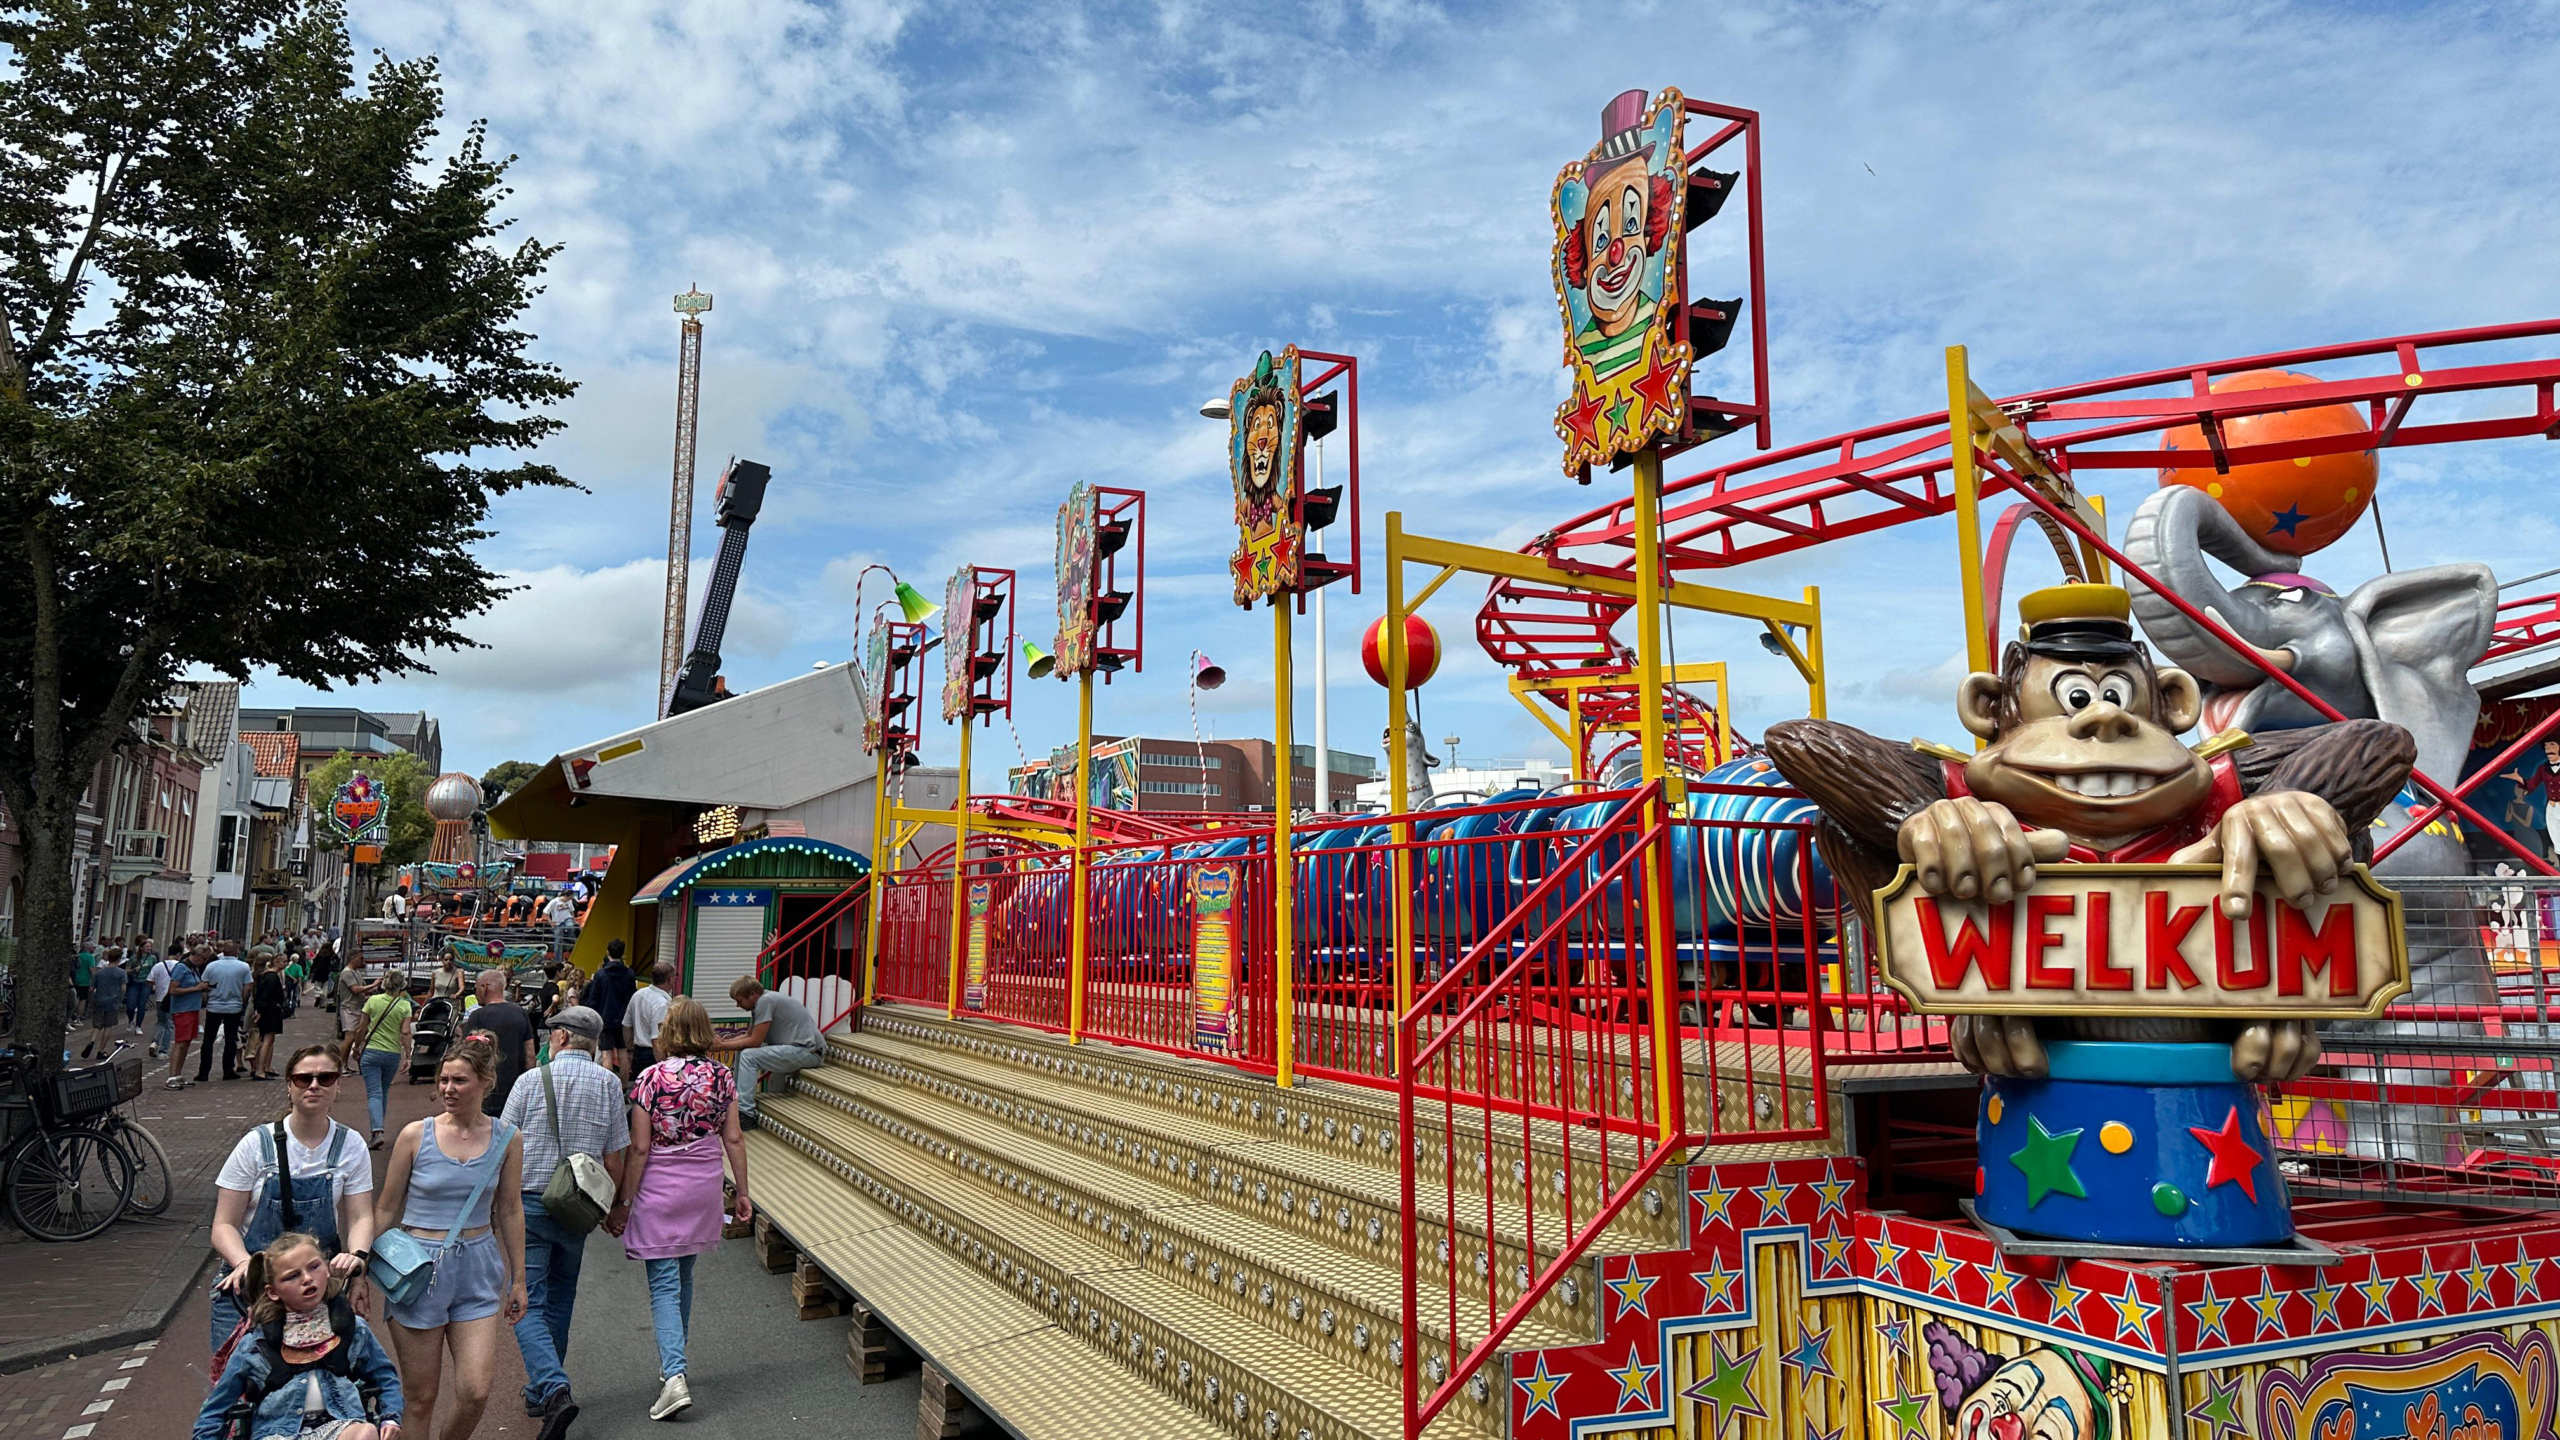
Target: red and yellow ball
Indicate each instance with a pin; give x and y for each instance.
(2293, 506)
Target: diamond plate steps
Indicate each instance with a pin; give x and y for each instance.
(1015, 1363)
(1174, 1097)
(1340, 1216)
(1346, 1304)
(1155, 1326)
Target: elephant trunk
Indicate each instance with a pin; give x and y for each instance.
(2170, 536)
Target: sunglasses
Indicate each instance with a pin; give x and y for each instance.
(312, 1079)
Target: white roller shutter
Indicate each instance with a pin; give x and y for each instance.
(728, 935)
(671, 932)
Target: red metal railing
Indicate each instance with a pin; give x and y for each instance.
(819, 961)
(1552, 1022)
(1178, 953)
(915, 934)
(1026, 924)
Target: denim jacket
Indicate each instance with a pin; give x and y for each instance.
(280, 1412)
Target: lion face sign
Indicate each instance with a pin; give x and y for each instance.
(1262, 450)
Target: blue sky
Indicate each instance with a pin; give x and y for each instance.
(965, 255)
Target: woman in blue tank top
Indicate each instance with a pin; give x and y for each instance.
(479, 1278)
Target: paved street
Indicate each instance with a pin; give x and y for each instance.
(756, 1368)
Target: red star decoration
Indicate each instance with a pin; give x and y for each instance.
(1581, 416)
(2234, 1163)
(1656, 386)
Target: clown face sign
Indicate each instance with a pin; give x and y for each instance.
(1618, 272)
(875, 674)
(1266, 439)
(959, 599)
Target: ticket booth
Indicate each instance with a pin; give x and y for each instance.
(718, 914)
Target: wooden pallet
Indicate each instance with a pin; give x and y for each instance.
(817, 1296)
(943, 1413)
(872, 1351)
(773, 1250)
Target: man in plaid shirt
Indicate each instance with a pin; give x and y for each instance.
(592, 1121)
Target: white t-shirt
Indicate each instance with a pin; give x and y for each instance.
(247, 1165)
(160, 981)
(646, 1012)
(560, 911)
(394, 905)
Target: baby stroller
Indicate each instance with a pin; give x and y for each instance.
(432, 1032)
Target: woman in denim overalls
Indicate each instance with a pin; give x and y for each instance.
(249, 1213)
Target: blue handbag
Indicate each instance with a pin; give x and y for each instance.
(403, 1266)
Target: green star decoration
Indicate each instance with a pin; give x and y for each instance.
(2046, 1162)
(2220, 1408)
(1726, 1393)
(1905, 1410)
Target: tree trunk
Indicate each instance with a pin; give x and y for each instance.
(43, 965)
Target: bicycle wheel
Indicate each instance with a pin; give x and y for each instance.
(67, 1184)
(152, 1190)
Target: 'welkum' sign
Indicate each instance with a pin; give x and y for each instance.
(2143, 940)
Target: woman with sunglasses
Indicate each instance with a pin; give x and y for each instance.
(303, 1160)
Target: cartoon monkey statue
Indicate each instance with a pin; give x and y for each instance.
(2084, 763)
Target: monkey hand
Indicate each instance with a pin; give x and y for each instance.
(2298, 835)
(1976, 850)
(1998, 1045)
(2271, 1052)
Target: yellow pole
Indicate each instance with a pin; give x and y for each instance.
(883, 858)
(1397, 757)
(1818, 689)
(1968, 488)
(960, 869)
(1667, 1059)
(1573, 709)
(1076, 941)
(1284, 798)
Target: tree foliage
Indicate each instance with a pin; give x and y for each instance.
(403, 778)
(260, 377)
(507, 775)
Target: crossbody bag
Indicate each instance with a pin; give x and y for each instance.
(579, 1192)
(404, 1265)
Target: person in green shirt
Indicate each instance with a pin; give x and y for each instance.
(385, 1048)
(83, 967)
(294, 976)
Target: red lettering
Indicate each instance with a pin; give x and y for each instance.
(2103, 973)
(2227, 971)
(2042, 909)
(2301, 953)
(2162, 933)
(1969, 948)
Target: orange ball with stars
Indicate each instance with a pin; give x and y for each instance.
(2294, 506)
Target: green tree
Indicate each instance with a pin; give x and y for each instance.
(403, 778)
(507, 775)
(260, 378)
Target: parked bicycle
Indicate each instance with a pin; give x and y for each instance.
(61, 1177)
(152, 1187)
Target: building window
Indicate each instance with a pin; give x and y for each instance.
(1179, 787)
(1189, 762)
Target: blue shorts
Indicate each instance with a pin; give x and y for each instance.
(470, 1284)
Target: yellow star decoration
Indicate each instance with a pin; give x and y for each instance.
(2324, 1301)
(2377, 1296)
(2269, 1302)
(2212, 1315)
(1541, 1389)
(2528, 1278)
(2133, 1314)
(1715, 1286)
(2475, 1280)
(1714, 1202)
(2063, 1296)
(2429, 1283)
(1997, 1281)
(1834, 1190)
(1888, 1256)
(1635, 1381)
(1773, 1199)
(1630, 1288)
(1835, 1250)
(1942, 1266)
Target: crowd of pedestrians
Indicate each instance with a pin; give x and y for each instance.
(553, 1119)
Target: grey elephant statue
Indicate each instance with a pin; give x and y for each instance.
(2399, 648)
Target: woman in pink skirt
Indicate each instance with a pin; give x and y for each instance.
(684, 1119)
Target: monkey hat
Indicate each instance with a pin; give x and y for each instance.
(2077, 622)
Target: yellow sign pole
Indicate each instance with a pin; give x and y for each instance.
(1076, 939)
(883, 857)
(1968, 488)
(1667, 1059)
(1284, 766)
(1398, 755)
(1817, 697)
(960, 869)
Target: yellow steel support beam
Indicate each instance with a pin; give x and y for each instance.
(1284, 765)
(1817, 687)
(1484, 560)
(1961, 440)
(1077, 941)
(1657, 770)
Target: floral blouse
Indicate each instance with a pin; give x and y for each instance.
(685, 1098)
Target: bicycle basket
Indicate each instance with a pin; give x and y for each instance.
(77, 1094)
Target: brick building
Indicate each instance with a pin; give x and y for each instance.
(1140, 772)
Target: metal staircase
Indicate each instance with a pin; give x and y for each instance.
(1185, 1248)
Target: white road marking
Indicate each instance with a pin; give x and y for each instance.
(117, 1383)
(134, 1363)
(99, 1407)
(76, 1432)
(147, 1345)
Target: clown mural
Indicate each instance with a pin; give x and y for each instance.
(2045, 1394)
(1617, 256)
(1266, 435)
(1075, 583)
